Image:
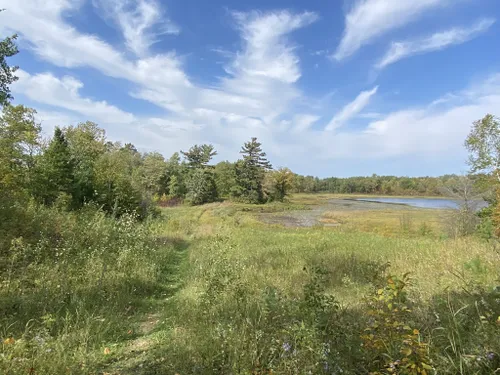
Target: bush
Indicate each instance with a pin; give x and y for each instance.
(201, 187)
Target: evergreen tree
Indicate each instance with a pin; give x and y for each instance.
(254, 157)
(175, 187)
(250, 172)
(54, 170)
(199, 156)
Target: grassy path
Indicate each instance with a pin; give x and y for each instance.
(142, 353)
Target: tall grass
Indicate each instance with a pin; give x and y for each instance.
(211, 290)
(74, 287)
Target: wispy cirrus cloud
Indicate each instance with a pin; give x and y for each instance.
(351, 109)
(369, 19)
(438, 41)
(64, 93)
(140, 21)
(260, 94)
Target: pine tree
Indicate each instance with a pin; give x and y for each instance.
(54, 170)
(199, 156)
(250, 172)
(253, 155)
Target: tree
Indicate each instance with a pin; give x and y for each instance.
(250, 172)
(19, 140)
(225, 178)
(175, 187)
(116, 188)
(153, 172)
(201, 187)
(199, 156)
(8, 48)
(483, 144)
(87, 143)
(464, 220)
(279, 183)
(253, 155)
(176, 175)
(54, 170)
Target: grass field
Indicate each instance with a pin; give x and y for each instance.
(236, 295)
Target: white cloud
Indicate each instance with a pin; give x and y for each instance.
(64, 93)
(304, 122)
(141, 21)
(259, 97)
(435, 42)
(351, 109)
(267, 53)
(369, 19)
(41, 26)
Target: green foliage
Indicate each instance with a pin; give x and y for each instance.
(19, 140)
(116, 188)
(8, 48)
(153, 173)
(199, 156)
(87, 143)
(254, 157)
(483, 144)
(77, 283)
(201, 187)
(383, 185)
(54, 171)
(250, 173)
(392, 345)
(225, 178)
(278, 184)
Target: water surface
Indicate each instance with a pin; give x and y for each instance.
(417, 202)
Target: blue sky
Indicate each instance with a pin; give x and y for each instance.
(330, 87)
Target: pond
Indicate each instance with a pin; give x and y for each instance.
(420, 202)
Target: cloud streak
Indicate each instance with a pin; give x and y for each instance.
(64, 93)
(140, 21)
(351, 109)
(438, 41)
(367, 20)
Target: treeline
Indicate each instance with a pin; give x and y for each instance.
(78, 165)
(383, 185)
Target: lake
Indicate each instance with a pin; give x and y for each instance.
(418, 202)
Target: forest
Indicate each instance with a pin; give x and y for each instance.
(116, 261)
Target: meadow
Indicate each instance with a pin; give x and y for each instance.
(215, 289)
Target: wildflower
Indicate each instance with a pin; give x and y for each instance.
(9, 341)
(286, 347)
(491, 356)
(107, 351)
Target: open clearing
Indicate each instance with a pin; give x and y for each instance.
(331, 211)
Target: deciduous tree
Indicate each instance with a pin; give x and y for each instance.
(483, 144)
(8, 48)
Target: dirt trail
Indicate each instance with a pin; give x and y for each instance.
(309, 218)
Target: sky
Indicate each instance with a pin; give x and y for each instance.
(330, 87)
